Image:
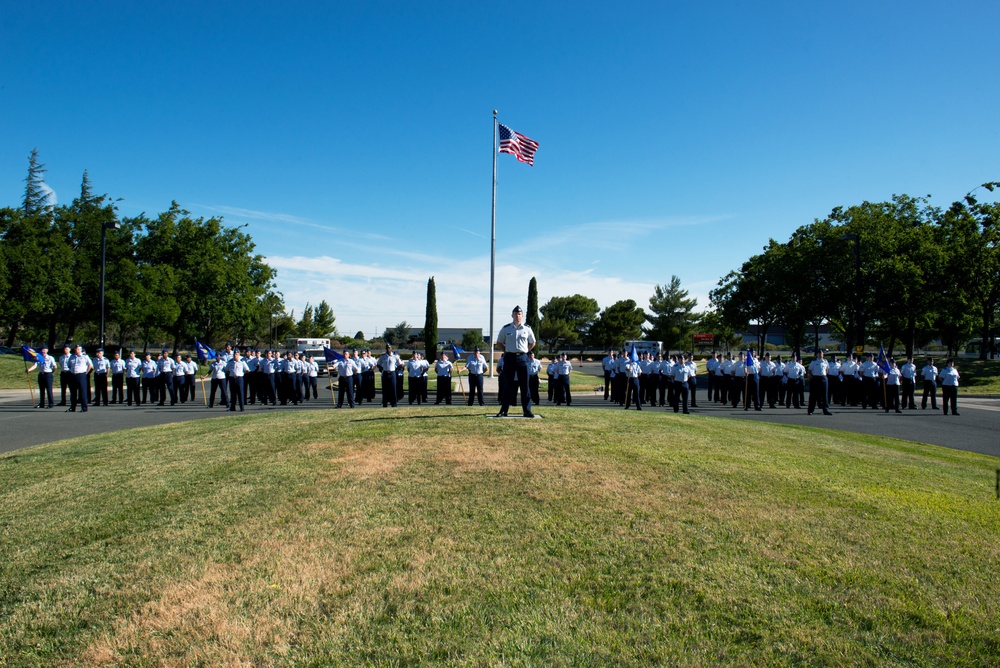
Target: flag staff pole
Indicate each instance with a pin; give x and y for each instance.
(493, 245)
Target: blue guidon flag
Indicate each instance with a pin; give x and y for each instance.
(331, 355)
(204, 352)
(29, 354)
(457, 352)
(633, 355)
(517, 145)
(883, 359)
(749, 362)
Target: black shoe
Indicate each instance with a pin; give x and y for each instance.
(955, 413)
(898, 411)
(531, 415)
(829, 413)
(501, 414)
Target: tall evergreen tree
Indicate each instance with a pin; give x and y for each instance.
(531, 312)
(36, 195)
(431, 322)
(323, 321)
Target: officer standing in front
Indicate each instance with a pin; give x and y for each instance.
(237, 369)
(79, 366)
(819, 389)
(517, 340)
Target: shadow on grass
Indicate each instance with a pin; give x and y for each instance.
(416, 417)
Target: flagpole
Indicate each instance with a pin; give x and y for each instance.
(493, 245)
(27, 377)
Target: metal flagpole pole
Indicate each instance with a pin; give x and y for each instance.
(493, 247)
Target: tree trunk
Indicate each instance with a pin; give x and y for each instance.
(12, 333)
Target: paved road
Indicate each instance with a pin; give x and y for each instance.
(977, 429)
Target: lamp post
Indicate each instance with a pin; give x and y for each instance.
(857, 292)
(114, 225)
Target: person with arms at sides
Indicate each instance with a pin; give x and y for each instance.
(237, 370)
(150, 383)
(849, 373)
(833, 381)
(892, 381)
(550, 373)
(753, 383)
(346, 369)
(930, 375)
(102, 367)
(415, 373)
(819, 389)
(710, 364)
(768, 390)
(908, 377)
(80, 365)
(476, 365)
(692, 381)
(681, 373)
(65, 376)
(517, 340)
(608, 365)
(633, 387)
(443, 369)
(534, 368)
(46, 365)
(217, 373)
(387, 364)
(564, 367)
(117, 379)
(949, 387)
(870, 377)
(794, 372)
(180, 379)
(165, 374)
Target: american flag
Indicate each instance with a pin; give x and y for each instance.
(517, 145)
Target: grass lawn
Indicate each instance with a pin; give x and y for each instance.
(587, 538)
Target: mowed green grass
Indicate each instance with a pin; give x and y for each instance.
(587, 538)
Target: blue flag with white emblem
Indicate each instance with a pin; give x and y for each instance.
(204, 352)
(883, 360)
(633, 355)
(331, 355)
(29, 354)
(457, 352)
(749, 357)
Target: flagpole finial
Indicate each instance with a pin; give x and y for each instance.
(494, 112)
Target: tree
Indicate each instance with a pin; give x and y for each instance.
(673, 318)
(431, 322)
(323, 321)
(566, 320)
(620, 322)
(398, 335)
(305, 327)
(472, 338)
(36, 195)
(971, 233)
(531, 312)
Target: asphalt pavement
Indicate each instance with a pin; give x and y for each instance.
(976, 429)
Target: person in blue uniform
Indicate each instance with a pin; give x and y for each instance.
(949, 387)
(79, 366)
(117, 378)
(133, 378)
(217, 374)
(346, 369)
(150, 383)
(237, 370)
(66, 377)
(102, 367)
(819, 388)
(46, 365)
(517, 340)
(476, 366)
(387, 364)
(443, 368)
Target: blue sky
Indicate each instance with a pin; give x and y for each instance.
(354, 138)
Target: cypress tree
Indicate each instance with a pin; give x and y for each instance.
(431, 322)
(531, 312)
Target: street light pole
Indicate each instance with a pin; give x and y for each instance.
(115, 225)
